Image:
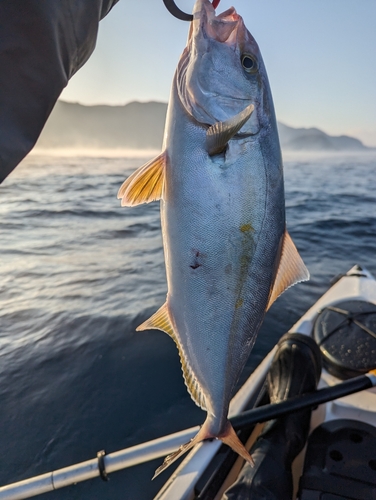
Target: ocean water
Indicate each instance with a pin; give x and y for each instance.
(78, 273)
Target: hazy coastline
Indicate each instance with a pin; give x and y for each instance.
(127, 130)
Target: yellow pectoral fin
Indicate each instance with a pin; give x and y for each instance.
(218, 135)
(291, 269)
(161, 321)
(145, 184)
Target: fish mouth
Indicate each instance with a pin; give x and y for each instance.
(210, 80)
(222, 28)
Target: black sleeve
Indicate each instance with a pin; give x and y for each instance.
(42, 44)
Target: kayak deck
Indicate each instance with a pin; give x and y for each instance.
(191, 480)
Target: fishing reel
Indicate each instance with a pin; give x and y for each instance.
(179, 14)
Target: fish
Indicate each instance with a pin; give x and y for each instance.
(219, 178)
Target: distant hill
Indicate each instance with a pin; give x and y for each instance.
(313, 139)
(135, 125)
(140, 126)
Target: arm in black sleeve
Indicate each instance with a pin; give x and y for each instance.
(42, 44)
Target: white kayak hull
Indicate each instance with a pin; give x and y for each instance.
(355, 285)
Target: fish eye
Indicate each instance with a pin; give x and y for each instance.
(249, 63)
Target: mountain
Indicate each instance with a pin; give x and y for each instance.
(135, 125)
(140, 126)
(313, 139)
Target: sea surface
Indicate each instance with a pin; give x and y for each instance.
(78, 273)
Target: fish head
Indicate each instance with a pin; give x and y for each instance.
(221, 70)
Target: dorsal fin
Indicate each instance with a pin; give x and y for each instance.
(161, 321)
(145, 184)
(218, 135)
(291, 269)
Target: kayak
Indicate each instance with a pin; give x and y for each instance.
(339, 461)
(343, 430)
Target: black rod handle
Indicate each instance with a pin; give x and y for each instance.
(310, 400)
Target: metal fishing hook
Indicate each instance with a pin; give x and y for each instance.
(175, 11)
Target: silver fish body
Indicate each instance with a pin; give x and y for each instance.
(228, 255)
(223, 222)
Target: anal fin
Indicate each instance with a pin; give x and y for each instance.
(145, 184)
(291, 269)
(161, 321)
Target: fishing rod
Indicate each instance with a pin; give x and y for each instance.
(179, 14)
(309, 400)
(104, 464)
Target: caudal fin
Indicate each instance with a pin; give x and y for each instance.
(200, 436)
(231, 439)
(228, 437)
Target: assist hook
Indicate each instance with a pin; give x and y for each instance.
(175, 11)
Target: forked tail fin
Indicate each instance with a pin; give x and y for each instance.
(231, 439)
(228, 436)
(200, 436)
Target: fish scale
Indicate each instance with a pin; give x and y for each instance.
(220, 181)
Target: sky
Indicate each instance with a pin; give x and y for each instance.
(320, 56)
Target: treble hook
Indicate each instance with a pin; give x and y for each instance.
(175, 11)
